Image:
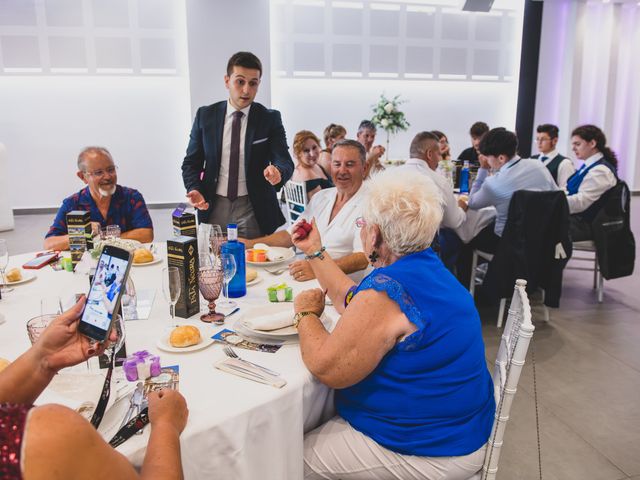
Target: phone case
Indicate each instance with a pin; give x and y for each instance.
(44, 261)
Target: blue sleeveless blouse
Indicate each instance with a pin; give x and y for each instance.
(432, 394)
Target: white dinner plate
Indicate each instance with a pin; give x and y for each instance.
(258, 279)
(156, 259)
(287, 254)
(205, 341)
(27, 276)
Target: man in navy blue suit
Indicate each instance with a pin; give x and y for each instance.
(238, 156)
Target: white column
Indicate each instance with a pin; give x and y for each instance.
(6, 212)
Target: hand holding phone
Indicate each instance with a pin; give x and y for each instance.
(105, 293)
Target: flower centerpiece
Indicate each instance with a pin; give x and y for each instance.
(387, 116)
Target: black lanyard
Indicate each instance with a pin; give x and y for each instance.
(135, 424)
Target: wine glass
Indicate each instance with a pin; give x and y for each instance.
(228, 264)
(4, 261)
(210, 282)
(171, 287)
(129, 301)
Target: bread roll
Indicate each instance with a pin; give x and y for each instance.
(142, 255)
(184, 336)
(14, 275)
(251, 274)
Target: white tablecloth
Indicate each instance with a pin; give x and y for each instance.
(237, 429)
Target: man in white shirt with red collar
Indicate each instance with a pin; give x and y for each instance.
(335, 211)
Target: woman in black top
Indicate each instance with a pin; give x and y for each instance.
(306, 149)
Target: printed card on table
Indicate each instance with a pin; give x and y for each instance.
(232, 338)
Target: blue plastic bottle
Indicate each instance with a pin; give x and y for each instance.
(464, 177)
(238, 284)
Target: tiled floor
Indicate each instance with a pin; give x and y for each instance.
(588, 374)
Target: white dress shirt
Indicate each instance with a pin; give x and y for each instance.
(340, 236)
(497, 190)
(453, 216)
(223, 177)
(565, 169)
(597, 181)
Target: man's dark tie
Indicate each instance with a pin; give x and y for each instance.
(544, 158)
(234, 156)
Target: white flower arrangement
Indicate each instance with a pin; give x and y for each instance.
(387, 115)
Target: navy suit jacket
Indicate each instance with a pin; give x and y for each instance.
(265, 143)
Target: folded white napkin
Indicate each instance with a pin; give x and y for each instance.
(273, 255)
(273, 321)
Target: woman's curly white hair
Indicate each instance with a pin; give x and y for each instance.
(406, 207)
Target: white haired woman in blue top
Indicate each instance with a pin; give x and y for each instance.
(413, 394)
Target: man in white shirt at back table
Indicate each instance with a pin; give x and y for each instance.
(456, 226)
(425, 156)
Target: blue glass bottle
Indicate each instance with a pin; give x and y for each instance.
(238, 284)
(464, 177)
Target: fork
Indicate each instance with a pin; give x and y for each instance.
(276, 271)
(230, 353)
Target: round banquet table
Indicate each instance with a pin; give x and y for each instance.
(237, 428)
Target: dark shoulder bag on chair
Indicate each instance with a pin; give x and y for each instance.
(615, 244)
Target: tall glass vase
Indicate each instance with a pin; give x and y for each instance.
(386, 152)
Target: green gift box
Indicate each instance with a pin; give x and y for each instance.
(280, 293)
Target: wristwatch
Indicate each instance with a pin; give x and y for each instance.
(298, 316)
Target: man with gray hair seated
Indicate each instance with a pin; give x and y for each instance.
(425, 156)
(335, 211)
(108, 202)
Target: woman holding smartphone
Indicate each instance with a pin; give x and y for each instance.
(54, 442)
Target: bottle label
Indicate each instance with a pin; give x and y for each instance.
(232, 232)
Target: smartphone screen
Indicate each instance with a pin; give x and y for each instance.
(104, 296)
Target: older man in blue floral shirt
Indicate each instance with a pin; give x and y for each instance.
(108, 202)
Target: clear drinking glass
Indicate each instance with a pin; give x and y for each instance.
(204, 234)
(171, 287)
(4, 261)
(113, 231)
(51, 304)
(216, 239)
(129, 301)
(228, 263)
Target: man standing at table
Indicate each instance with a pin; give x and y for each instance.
(560, 167)
(108, 202)
(238, 156)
